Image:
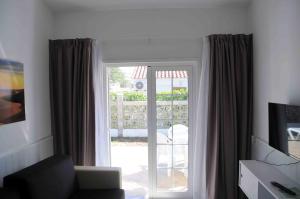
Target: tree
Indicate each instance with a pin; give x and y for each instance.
(117, 76)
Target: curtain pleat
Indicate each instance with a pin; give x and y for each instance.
(229, 113)
(72, 99)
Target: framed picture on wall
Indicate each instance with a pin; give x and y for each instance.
(12, 100)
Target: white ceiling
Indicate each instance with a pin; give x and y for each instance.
(78, 5)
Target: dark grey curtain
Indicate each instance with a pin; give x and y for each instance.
(72, 99)
(229, 113)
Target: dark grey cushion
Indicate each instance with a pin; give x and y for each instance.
(52, 178)
(99, 194)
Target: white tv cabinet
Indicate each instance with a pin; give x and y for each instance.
(255, 178)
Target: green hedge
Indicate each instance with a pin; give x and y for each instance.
(134, 96)
(178, 95)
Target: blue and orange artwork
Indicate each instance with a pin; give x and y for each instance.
(12, 101)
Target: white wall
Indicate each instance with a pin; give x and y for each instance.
(276, 29)
(133, 35)
(25, 29)
(27, 25)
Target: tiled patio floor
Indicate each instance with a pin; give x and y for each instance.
(132, 157)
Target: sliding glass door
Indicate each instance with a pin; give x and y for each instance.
(169, 113)
(149, 109)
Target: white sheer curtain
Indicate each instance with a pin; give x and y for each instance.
(102, 134)
(200, 126)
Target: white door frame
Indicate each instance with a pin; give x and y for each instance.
(152, 129)
(194, 73)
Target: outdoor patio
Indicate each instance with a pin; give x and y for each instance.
(132, 157)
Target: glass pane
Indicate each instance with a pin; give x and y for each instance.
(180, 156)
(164, 156)
(172, 130)
(180, 108)
(164, 124)
(162, 137)
(163, 83)
(164, 180)
(180, 134)
(180, 181)
(163, 109)
(172, 180)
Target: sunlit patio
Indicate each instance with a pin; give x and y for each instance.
(132, 157)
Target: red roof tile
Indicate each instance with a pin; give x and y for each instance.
(140, 72)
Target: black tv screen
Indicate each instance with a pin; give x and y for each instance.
(284, 128)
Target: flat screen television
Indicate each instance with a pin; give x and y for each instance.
(284, 128)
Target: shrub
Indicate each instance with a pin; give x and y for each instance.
(113, 96)
(177, 95)
(134, 96)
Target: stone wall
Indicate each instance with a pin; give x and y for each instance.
(134, 114)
